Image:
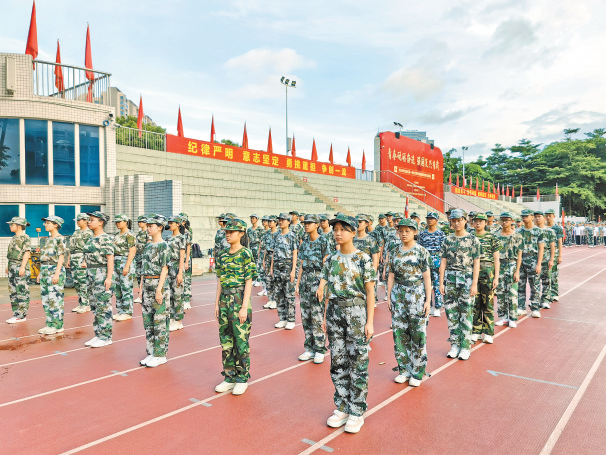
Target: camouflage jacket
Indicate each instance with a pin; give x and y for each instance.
(549, 236)
(254, 235)
(142, 238)
(155, 256)
(494, 229)
(78, 239)
(299, 230)
(409, 265)
(97, 249)
(367, 245)
(17, 247)
(490, 245)
(176, 244)
(346, 274)
(330, 236)
(377, 236)
(512, 244)
(233, 270)
(389, 233)
(270, 241)
(559, 234)
(285, 245)
(53, 248)
(311, 254)
(221, 242)
(530, 240)
(123, 243)
(460, 252)
(432, 241)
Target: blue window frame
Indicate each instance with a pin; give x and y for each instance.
(90, 208)
(34, 214)
(7, 212)
(36, 152)
(64, 159)
(9, 151)
(68, 213)
(89, 156)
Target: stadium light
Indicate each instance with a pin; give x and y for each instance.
(292, 84)
(398, 124)
(463, 149)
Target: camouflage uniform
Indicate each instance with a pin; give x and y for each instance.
(76, 257)
(18, 286)
(233, 270)
(311, 256)
(220, 242)
(555, 270)
(299, 231)
(531, 238)
(284, 289)
(123, 285)
(460, 253)
(432, 242)
(269, 279)
(176, 244)
(507, 290)
(260, 256)
(483, 314)
(330, 236)
(254, 237)
(52, 294)
(187, 274)
(142, 238)
(96, 251)
(549, 237)
(366, 244)
(407, 301)
(155, 315)
(346, 318)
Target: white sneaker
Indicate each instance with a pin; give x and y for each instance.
(91, 341)
(240, 388)
(179, 325)
(225, 386)
(83, 309)
(488, 339)
(53, 331)
(306, 356)
(513, 324)
(454, 352)
(187, 306)
(263, 292)
(114, 316)
(15, 320)
(156, 361)
(274, 305)
(319, 358)
(173, 325)
(100, 343)
(256, 284)
(475, 337)
(44, 330)
(536, 314)
(280, 325)
(146, 359)
(385, 298)
(401, 378)
(521, 312)
(123, 317)
(137, 300)
(354, 423)
(337, 419)
(414, 382)
(546, 305)
(502, 322)
(289, 325)
(464, 354)
(267, 305)
(77, 308)
(436, 312)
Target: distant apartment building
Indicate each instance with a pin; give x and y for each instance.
(417, 136)
(124, 106)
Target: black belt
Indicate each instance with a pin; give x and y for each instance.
(96, 266)
(47, 263)
(408, 282)
(76, 252)
(356, 301)
(234, 290)
(119, 255)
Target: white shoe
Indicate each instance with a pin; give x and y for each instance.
(137, 300)
(262, 292)
(123, 317)
(100, 343)
(414, 382)
(475, 337)
(513, 324)
(488, 339)
(114, 316)
(274, 305)
(187, 306)
(146, 359)
(385, 299)
(83, 309)
(280, 325)
(267, 306)
(240, 388)
(436, 312)
(91, 341)
(156, 361)
(337, 419)
(44, 330)
(354, 423)
(454, 352)
(401, 378)
(522, 312)
(306, 356)
(77, 308)
(536, 314)
(225, 386)
(289, 325)
(179, 325)
(15, 320)
(464, 354)
(546, 305)
(256, 284)
(318, 358)
(173, 325)
(53, 331)
(502, 322)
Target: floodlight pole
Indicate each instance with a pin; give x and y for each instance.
(285, 82)
(463, 149)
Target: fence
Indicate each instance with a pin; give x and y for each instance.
(416, 191)
(148, 140)
(544, 198)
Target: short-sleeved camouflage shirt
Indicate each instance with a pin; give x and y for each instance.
(97, 249)
(176, 243)
(549, 237)
(299, 230)
(376, 234)
(367, 244)
(18, 246)
(409, 265)
(233, 270)
(155, 256)
(124, 242)
(221, 242)
(53, 248)
(270, 240)
(460, 252)
(142, 238)
(254, 235)
(78, 239)
(559, 233)
(512, 244)
(530, 240)
(490, 245)
(432, 241)
(311, 254)
(346, 274)
(330, 236)
(284, 246)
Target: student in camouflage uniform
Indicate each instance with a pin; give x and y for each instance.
(488, 280)
(348, 322)
(52, 276)
(549, 236)
(283, 270)
(254, 238)
(125, 249)
(365, 242)
(295, 226)
(156, 293)
(409, 290)
(459, 271)
(177, 244)
(142, 238)
(491, 225)
(326, 231)
(432, 239)
(76, 256)
(532, 255)
(312, 254)
(220, 242)
(270, 238)
(510, 258)
(555, 270)
(187, 274)
(18, 271)
(236, 272)
(261, 255)
(99, 264)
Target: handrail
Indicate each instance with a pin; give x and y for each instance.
(427, 194)
(493, 207)
(149, 139)
(72, 66)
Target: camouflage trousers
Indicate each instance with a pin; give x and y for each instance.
(18, 288)
(409, 328)
(348, 356)
(269, 282)
(528, 274)
(260, 270)
(483, 311)
(234, 336)
(186, 297)
(176, 293)
(438, 301)
(284, 290)
(123, 286)
(312, 312)
(138, 261)
(555, 282)
(80, 277)
(52, 295)
(100, 302)
(546, 292)
(458, 304)
(155, 317)
(507, 292)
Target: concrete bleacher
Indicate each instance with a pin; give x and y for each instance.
(495, 206)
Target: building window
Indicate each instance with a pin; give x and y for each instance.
(89, 208)
(64, 161)
(34, 214)
(68, 213)
(89, 156)
(7, 212)
(9, 151)
(36, 152)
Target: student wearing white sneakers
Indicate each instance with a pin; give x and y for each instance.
(18, 254)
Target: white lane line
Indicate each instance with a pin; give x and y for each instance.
(572, 320)
(581, 260)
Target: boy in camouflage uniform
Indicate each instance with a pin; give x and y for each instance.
(555, 270)
(270, 238)
(261, 255)
(314, 250)
(283, 270)
(156, 293)
(99, 264)
(187, 274)
(18, 271)
(431, 239)
(349, 323)
(549, 236)
(295, 226)
(236, 271)
(409, 290)
(459, 271)
(532, 255)
(254, 238)
(76, 256)
(125, 249)
(326, 231)
(141, 238)
(510, 258)
(177, 244)
(52, 276)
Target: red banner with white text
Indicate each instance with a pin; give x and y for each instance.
(469, 192)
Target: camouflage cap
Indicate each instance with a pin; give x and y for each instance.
(397, 216)
(311, 218)
(121, 217)
(550, 212)
(273, 218)
(175, 219)
(472, 213)
(455, 214)
(538, 212)
(447, 212)
(284, 216)
(489, 213)
(184, 216)
(432, 215)
(414, 215)
(18, 220)
(324, 217)
(302, 214)
(154, 218)
(382, 216)
(361, 217)
(410, 223)
(54, 219)
(81, 216)
(141, 219)
(527, 212)
(293, 212)
(518, 219)
(235, 224)
(342, 218)
(231, 215)
(100, 215)
(480, 216)
(507, 215)
(254, 215)
(370, 218)
(220, 217)
(265, 218)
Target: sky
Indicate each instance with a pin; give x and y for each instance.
(469, 73)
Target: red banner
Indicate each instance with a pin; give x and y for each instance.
(470, 192)
(203, 149)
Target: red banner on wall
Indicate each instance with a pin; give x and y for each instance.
(470, 192)
(203, 149)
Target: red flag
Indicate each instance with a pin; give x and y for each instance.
(330, 156)
(450, 178)
(348, 157)
(499, 189)
(212, 130)
(314, 152)
(245, 138)
(556, 189)
(507, 191)
(457, 179)
(521, 186)
(88, 64)
(180, 125)
(363, 160)
(293, 149)
(513, 192)
(406, 208)
(59, 73)
(140, 116)
(270, 148)
(538, 194)
(31, 48)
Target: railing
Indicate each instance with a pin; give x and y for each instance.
(486, 205)
(365, 175)
(544, 198)
(148, 140)
(70, 82)
(417, 192)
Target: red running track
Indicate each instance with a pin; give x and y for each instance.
(56, 396)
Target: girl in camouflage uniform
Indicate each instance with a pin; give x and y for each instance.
(178, 244)
(261, 254)
(283, 270)
(269, 251)
(142, 238)
(18, 254)
(189, 235)
(510, 258)
(254, 236)
(52, 276)
(76, 255)
(124, 252)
